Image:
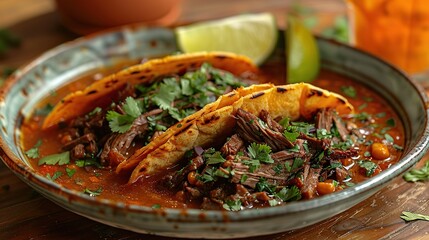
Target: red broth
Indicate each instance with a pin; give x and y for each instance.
(105, 183)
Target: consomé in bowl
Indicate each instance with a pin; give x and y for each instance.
(207, 142)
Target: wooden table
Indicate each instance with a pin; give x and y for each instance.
(24, 214)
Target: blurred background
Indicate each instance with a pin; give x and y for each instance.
(36, 26)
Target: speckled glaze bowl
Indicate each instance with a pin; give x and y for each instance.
(64, 63)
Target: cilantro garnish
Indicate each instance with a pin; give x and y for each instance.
(264, 186)
(291, 136)
(34, 151)
(388, 138)
(122, 122)
(55, 176)
(59, 158)
(288, 194)
(409, 216)
(213, 158)
(415, 175)
(212, 174)
(93, 193)
(156, 206)
(168, 91)
(70, 172)
(368, 166)
(232, 205)
(260, 152)
(297, 163)
(349, 91)
(87, 162)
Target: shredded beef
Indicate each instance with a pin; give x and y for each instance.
(232, 146)
(273, 125)
(311, 178)
(121, 143)
(253, 129)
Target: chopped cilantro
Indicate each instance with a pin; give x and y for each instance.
(363, 106)
(287, 166)
(34, 151)
(87, 162)
(349, 91)
(260, 152)
(59, 158)
(156, 206)
(367, 154)
(297, 163)
(213, 158)
(285, 122)
(252, 164)
(323, 134)
(388, 138)
(291, 136)
(93, 193)
(264, 186)
(122, 122)
(168, 91)
(368, 166)
(390, 122)
(55, 176)
(397, 147)
(232, 205)
(409, 216)
(288, 194)
(380, 114)
(70, 172)
(415, 175)
(243, 178)
(278, 168)
(363, 116)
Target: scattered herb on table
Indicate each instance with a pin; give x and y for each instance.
(415, 175)
(409, 216)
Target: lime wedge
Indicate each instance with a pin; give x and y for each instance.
(252, 35)
(302, 53)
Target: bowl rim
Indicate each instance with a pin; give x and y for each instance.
(408, 159)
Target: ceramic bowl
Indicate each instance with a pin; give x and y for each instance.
(66, 62)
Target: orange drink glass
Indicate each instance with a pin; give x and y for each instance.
(395, 30)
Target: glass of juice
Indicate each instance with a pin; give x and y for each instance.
(395, 30)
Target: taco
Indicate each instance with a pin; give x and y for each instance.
(114, 117)
(293, 102)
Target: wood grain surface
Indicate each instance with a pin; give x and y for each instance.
(24, 214)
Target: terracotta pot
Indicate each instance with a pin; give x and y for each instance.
(83, 16)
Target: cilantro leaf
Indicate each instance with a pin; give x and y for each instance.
(349, 91)
(122, 122)
(93, 193)
(34, 151)
(131, 107)
(214, 158)
(168, 91)
(288, 194)
(260, 152)
(232, 205)
(415, 175)
(55, 176)
(70, 172)
(368, 166)
(409, 216)
(59, 158)
(291, 136)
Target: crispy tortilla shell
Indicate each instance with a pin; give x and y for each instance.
(102, 92)
(295, 101)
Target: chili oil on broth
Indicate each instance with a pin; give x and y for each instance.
(105, 183)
